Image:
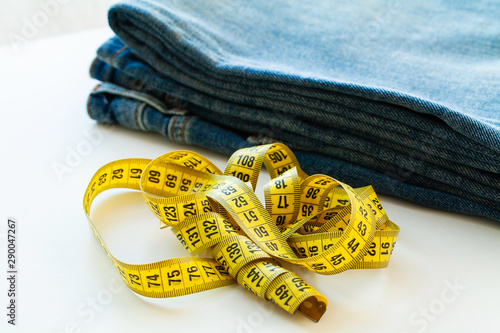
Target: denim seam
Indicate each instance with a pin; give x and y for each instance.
(138, 115)
(170, 128)
(183, 127)
(115, 90)
(91, 70)
(117, 53)
(89, 100)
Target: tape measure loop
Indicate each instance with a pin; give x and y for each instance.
(315, 222)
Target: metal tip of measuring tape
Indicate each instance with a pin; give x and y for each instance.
(312, 308)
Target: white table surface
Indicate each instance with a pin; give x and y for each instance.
(444, 275)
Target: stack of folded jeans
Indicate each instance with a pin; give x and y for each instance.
(403, 95)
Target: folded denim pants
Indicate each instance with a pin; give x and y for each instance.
(407, 127)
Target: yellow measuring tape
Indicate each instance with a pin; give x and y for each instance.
(316, 222)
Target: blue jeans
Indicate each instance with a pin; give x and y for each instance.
(416, 116)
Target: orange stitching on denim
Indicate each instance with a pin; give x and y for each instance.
(88, 105)
(117, 53)
(169, 132)
(92, 66)
(97, 87)
(89, 100)
(182, 129)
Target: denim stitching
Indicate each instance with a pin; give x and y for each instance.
(136, 115)
(117, 53)
(89, 100)
(182, 128)
(170, 127)
(91, 70)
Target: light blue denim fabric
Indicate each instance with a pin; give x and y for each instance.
(407, 91)
(109, 103)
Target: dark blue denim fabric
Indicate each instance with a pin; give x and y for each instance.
(418, 112)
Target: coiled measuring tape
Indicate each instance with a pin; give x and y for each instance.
(316, 222)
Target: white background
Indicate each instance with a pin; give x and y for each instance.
(67, 284)
(34, 19)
